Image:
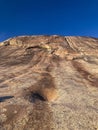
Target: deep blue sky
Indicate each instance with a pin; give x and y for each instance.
(38, 17)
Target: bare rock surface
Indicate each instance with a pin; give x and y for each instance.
(49, 83)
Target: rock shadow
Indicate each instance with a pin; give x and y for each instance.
(2, 99)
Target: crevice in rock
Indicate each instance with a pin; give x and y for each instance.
(4, 98)
(36, 96)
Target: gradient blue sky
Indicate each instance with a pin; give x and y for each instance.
(39, 17)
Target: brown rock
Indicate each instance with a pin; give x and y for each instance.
(49, 83)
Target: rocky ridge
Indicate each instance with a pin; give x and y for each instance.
(49, 83)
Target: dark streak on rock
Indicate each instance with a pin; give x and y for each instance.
(85, 74)
(4, 86)
(40, 118)
(13, 113)
(44, 89)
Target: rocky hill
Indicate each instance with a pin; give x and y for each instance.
(49, 83)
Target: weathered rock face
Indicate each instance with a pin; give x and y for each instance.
(49, 83)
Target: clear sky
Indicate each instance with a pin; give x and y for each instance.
(39, 17)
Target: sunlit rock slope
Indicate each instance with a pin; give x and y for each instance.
(49, 83)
